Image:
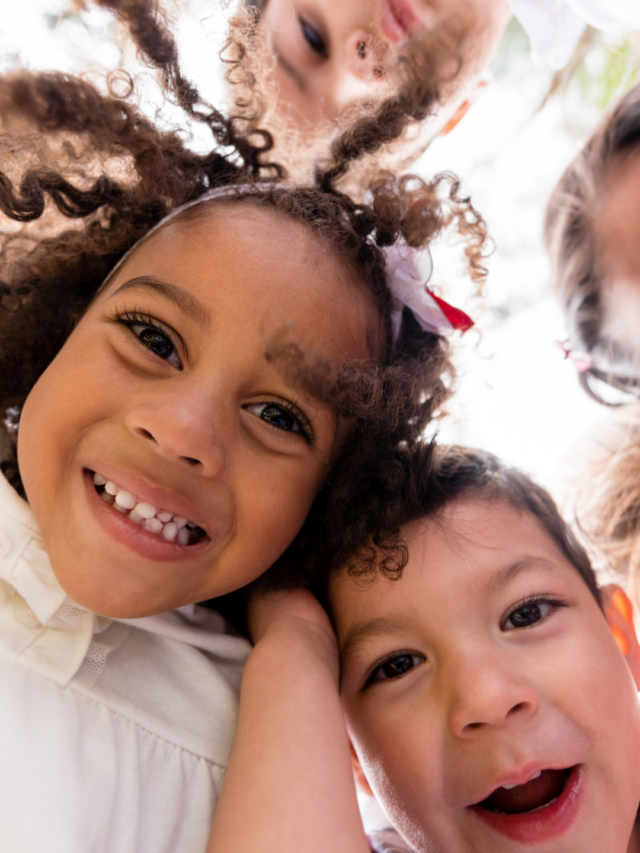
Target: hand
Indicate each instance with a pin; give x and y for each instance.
(298, 612)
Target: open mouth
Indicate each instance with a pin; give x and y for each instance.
(542, 790)
(399, 20)
(156, 520)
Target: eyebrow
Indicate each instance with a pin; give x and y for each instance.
(181, 298)
(363, 631)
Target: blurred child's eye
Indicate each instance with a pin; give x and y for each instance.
(530, 613)
(314, 39)
(152, 336)
(281, 417)
(394, 667)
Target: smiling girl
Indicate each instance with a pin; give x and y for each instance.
(190, 352)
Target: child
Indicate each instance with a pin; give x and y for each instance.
(488, 685)
(591, 233)
(602, 493)
(187, 355)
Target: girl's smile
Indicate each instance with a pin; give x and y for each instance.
(166, 459)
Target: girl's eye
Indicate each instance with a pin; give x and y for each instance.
(530, 613)
(314, 39)
(395, 667)
(280, 417)
(153, 337)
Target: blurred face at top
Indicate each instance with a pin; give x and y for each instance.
(331, 54)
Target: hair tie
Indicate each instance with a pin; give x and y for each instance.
(408, 273)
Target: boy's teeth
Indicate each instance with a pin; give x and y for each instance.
(535, 776)
(171, 527)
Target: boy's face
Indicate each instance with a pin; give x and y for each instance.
(331, 53)
(490, 664)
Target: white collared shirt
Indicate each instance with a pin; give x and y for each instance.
(114, 735)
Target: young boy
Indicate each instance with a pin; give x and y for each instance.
(489, 691)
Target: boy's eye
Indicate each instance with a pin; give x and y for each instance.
(395, 667)
(314, 39)
(528, 614)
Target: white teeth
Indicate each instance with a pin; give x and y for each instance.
(170, 527)
(145, 510)
(153, 524)
(170, 531)
(535, 776)
(126, 500)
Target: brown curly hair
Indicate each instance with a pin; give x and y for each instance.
(421, 480)
(578, 277)
(85, 175)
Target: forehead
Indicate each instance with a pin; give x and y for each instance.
(255, 266)
(469, 553)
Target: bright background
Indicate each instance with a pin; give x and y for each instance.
(516, 395)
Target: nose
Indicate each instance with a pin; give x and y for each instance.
(183, 426)
(488, 693)
(367, 54)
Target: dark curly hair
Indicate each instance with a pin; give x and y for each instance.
(422, 480)
(85, 174)
(578, 274)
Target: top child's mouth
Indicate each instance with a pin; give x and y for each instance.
(540, 791)
(162, 523)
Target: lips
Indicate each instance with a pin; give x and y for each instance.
(399, 20)
(539, 810)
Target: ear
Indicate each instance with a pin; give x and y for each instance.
(464, 108)
(619, 612)
(358, 772)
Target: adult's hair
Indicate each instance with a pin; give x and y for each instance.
(577, 269)
(420, 482)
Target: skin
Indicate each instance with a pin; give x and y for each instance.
(194, 426)
(331, 54)
(616, 228)
(477, 698)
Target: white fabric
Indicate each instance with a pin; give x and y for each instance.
(114, 736)
(555, 26)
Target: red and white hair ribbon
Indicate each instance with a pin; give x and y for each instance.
(408, 272)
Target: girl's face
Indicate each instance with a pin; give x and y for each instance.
(488, 703)
(164, 391)
(330, 53)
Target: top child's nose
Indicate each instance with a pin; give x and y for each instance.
(366, 54)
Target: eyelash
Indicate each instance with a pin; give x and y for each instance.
(136, 318)
(370, 676)
(313, 39)
(555, 603)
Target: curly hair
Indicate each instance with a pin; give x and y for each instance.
(85, 175)
(577, 270)
(421, 480)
